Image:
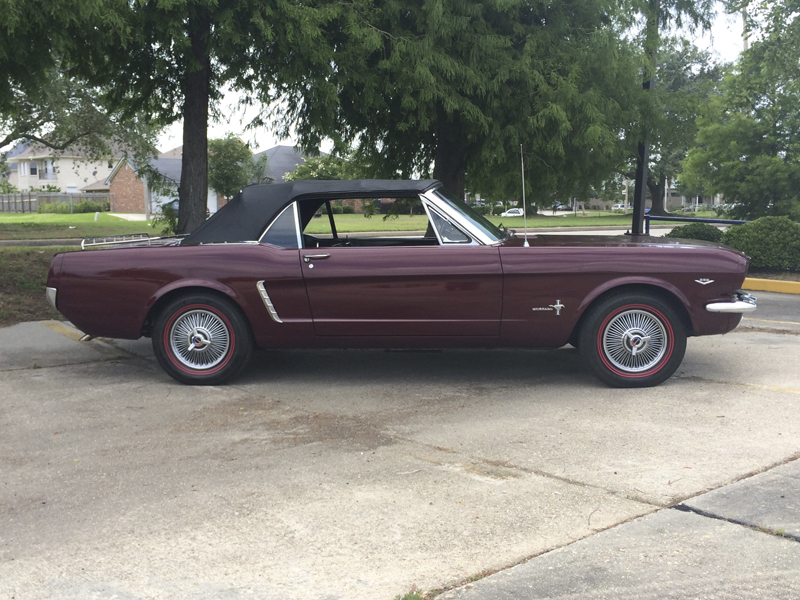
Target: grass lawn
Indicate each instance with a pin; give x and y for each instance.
(23, 276)
(24, 226)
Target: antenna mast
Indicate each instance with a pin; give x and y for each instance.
(524, 208)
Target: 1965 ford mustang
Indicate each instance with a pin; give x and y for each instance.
(264, 272)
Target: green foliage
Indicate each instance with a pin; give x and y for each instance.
(86, 206)
(348, 210)
(6, 187)
(51, 188)
(230, 165)
(327, 167)
(747, 145)
(686, 79)
(460, 84)
(168, 217)
(261, 169)
(696, 231)
(770, 242)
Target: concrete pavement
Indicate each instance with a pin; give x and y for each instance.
(326, 475)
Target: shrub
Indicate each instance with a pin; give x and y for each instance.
(770, 242)
(348, 210)
(696, 231)
(168, 217)
(87, 206)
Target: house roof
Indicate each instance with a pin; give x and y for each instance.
(34, 151)
(282, 160)
(97, 186)
(174, 153)
(16, 151)
(168, 167)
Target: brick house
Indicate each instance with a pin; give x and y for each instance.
(132, 191)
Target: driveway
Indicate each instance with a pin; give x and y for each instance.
(355, 474)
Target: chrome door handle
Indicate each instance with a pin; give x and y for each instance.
(308, 257)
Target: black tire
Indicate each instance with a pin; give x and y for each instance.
(202, 339)
(632, 340)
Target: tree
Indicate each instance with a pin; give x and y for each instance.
(658, 15)
(460, 84)
(328, 166)
(64, 112)
(41, 99)
(230, 165)
(170, 59)
(747, 146)
(686, 81)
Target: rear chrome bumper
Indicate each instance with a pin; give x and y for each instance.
(740, 302)
(50, 294)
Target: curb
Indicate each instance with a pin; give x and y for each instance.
(771, 285)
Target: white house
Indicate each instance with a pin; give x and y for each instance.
(39, 166)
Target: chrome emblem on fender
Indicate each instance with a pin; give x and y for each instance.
(704, 281)
(556, 307)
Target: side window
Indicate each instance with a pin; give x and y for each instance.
(449, 233)
(283, 231)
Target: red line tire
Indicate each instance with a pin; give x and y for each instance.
(202, 339)
(633, 340)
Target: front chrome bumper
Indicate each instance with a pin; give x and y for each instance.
(740, 302)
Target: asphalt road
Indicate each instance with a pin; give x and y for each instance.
(363, 474)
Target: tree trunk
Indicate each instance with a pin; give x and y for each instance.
(657, 196)
(451, 156)
(193, 190)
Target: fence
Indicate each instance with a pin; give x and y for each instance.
(28, 202)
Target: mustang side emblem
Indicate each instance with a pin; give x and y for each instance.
(704, 281)
(556, 307)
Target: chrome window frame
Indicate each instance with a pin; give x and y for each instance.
(429, 209)
(298, 233)
(455, 218)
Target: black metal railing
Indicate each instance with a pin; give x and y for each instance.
(648, 218)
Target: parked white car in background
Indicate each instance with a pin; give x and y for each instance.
(512, 212)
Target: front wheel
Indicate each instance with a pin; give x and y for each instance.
(201, 339)
(633, 340)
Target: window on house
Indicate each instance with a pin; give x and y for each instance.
(33, 168)
(23, 169)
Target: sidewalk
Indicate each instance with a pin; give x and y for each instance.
(739, 541)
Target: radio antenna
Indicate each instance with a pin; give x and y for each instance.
(524, 208)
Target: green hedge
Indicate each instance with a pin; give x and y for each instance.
(696, 231)
(348, 210)
(770, 242)
(87, 206)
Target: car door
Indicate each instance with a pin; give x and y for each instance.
(447, 289)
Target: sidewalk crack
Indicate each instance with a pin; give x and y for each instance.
(709, 515)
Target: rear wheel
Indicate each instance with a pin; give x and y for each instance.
(202, 339)
(633, 340)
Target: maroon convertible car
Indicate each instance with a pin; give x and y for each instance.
(265, 272)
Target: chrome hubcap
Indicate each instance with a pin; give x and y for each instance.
(635, 341)
(199, 339)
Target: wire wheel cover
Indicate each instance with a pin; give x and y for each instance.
(199, 339)
(635, 341)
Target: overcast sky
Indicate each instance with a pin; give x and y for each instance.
(724, 39)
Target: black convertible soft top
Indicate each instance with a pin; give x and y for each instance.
(245, 217)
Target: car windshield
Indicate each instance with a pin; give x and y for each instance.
(481, 222)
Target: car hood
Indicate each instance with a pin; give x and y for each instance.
(605, 241)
